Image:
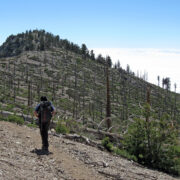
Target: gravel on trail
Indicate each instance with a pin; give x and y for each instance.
(20, 158)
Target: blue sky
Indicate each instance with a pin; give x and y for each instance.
(141, 33)
(98, 23)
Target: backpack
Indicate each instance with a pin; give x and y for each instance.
(45, 111)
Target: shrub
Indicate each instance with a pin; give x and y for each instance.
(15, 119)
(73, 125)
(9, 107)
(125, 154)
(33, 125)
(2, 118)
(107, 144)
(154, 143)
(61, 127)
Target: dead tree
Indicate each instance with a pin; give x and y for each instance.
(108, 104)
(14, 81)
(29, 94)
(158, 78)
(112, 85)
(175, 100)
(75, 92)
(147, 114)
(148, 103)
(83, 97)
(53, 91)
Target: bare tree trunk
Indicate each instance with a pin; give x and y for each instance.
(147, 119)
(175, 99)
(18, 85)
(38, 90)
(53, 91)
(83, 105)
(75, 95)
(14, 81)
(112, 86)
(108, 104)
(29, 93)
(148, 102)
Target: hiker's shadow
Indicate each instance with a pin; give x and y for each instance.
(41, 152)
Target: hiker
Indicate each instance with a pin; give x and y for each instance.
(44, 112)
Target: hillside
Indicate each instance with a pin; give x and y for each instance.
(75, 83)
(67, 160)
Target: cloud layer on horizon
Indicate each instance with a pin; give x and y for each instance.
(162, 62)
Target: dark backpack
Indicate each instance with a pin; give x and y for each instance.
(45, 111)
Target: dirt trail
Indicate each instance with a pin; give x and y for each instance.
(67, 160)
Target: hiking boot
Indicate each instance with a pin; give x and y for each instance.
(45, 148)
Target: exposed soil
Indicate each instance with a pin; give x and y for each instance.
(20, 158)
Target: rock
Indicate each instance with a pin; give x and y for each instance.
(105, 164)
(53, 130)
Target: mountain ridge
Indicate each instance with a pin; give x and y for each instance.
(39, 40)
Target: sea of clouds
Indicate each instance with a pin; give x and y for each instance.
(157, 62)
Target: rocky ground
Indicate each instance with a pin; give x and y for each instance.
(21, 159)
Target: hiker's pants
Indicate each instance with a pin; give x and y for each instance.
(44, 133)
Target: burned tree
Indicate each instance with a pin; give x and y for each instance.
(108, 104)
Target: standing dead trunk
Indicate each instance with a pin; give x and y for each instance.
(29, 93)
(147, 119)
(75, 92)
(108, 104)
(148, 103)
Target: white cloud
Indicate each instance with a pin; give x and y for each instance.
(162, 62)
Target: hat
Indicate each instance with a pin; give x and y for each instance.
(43, 98)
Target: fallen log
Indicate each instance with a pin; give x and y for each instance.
(84, 140)
(28, 118)
(109, 175)
(103, 133)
